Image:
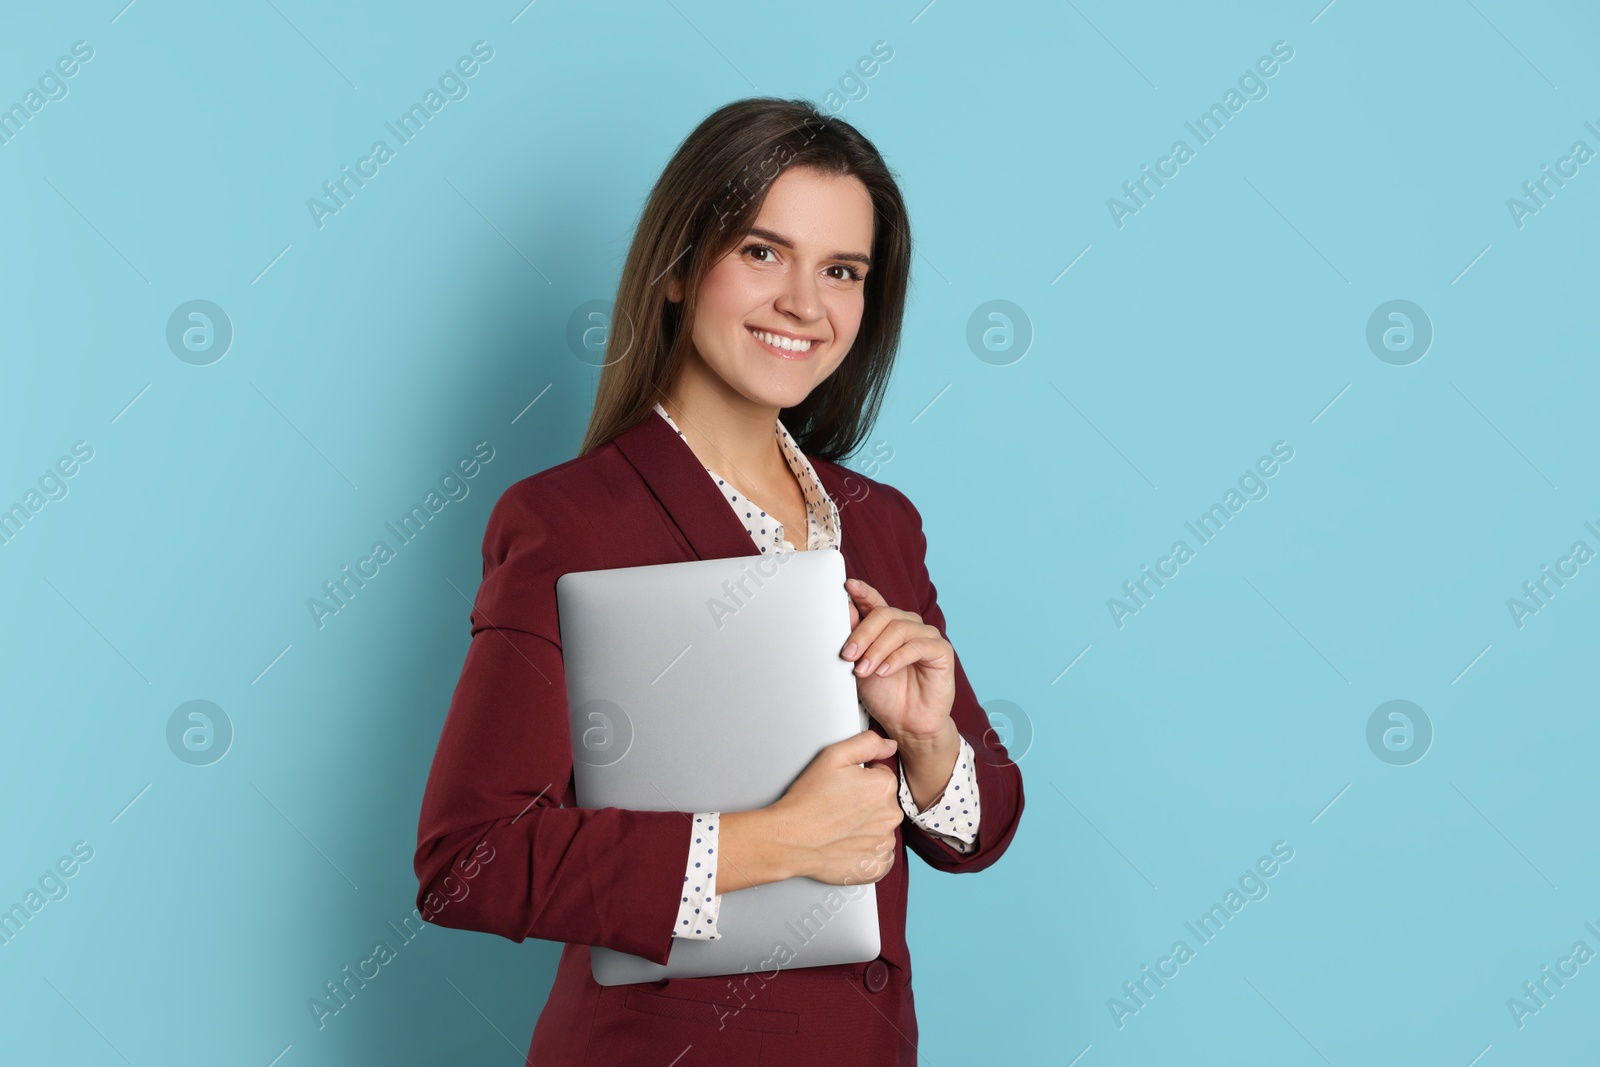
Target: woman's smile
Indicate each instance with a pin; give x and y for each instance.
(784, 346)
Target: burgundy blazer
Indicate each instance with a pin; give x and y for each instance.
(503, 848)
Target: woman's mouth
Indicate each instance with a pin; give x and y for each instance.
(781, 346)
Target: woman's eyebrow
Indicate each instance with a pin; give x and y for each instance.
(779, 239)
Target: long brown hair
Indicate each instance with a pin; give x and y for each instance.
(705, 201)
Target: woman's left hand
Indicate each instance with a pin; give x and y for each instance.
(910, 680)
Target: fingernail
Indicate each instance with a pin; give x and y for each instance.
(864, 666)
(849, 650)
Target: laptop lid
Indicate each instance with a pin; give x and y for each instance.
(709, 685)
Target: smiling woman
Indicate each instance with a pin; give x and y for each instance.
(793, 290)
(765, 194)
(762, 296)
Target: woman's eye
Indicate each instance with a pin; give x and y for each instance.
(850, 274)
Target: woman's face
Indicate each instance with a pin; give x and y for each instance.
(798, 273)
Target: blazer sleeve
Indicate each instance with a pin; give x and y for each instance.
(999, 778)
(501, 846)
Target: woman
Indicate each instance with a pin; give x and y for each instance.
(767, 277)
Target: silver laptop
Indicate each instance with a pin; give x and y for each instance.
(709, 686)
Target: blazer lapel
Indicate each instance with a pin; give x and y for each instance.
(855, 538)
(675, 477)
(692, 501)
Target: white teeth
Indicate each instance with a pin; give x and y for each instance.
(786, 343)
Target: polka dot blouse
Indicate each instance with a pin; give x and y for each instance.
(953, 817)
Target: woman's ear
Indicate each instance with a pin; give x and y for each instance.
(674, 289)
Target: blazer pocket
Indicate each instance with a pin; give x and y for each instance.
(719, 1016)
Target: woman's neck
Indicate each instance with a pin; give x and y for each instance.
(727, 432)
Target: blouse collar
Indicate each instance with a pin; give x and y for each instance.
(822, 514)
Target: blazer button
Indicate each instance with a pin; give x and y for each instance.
(876, 976)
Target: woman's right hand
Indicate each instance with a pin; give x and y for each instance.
(843, 815)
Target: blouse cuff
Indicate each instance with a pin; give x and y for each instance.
(954, 816)
(697, 912)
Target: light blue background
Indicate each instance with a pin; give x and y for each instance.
(1228, 314)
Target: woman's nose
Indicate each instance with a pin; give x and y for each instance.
(800, 297)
